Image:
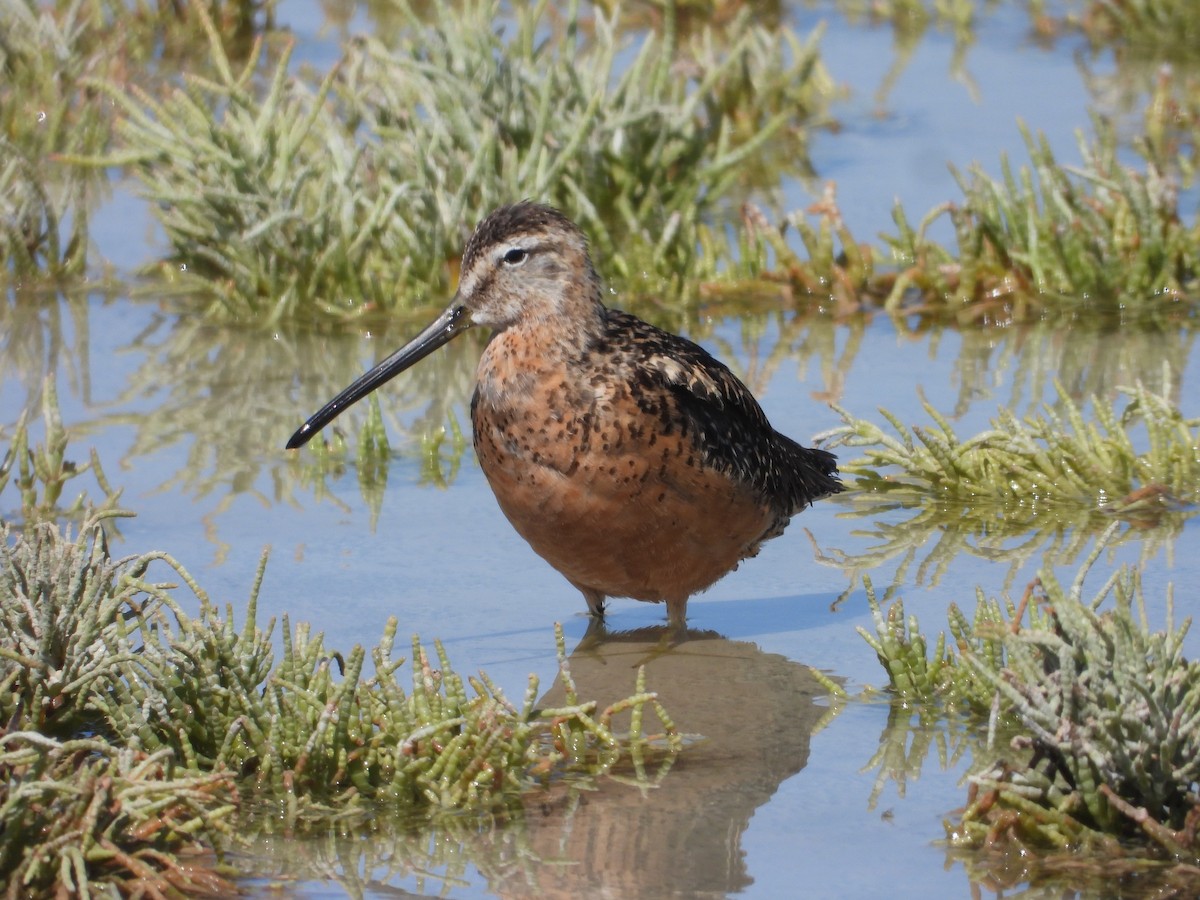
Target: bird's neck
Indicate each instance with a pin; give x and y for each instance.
(566, 328)
(523, 362)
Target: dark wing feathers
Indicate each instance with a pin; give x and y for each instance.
(725, 421)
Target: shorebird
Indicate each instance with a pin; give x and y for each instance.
(629, 458)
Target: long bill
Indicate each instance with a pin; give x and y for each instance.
(438, 332)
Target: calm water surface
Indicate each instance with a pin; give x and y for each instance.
(783, 799)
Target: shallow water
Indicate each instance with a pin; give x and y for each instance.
(779, 801)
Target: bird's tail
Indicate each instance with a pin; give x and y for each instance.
(814, 475)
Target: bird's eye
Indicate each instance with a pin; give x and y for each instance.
(515, 256)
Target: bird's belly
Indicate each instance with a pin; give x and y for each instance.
(643, 521)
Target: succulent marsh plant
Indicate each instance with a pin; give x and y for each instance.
(1102, 238)
(1161, 28)
(41, 474)
(139, 729)
(44, 205)
(1034, 488)
(84, 818)
(314, 729)
(51, 55)
(202, 706)
(1145, 454)
(1171, 122)
(1105, 754)
(355, 196)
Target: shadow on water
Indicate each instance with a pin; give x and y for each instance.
(752, 713)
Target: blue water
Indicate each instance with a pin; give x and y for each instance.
(447, 564)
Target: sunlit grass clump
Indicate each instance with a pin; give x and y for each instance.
(1045, 241)
(337, 195)
(355, 196)
(1101, 238)
(1143, 456)
(1102, 774)
(51, 57)
(44, 205)
(134, 730)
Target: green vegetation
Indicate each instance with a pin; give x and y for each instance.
(51, 57)
(83, 817)
(1164, 29)
(136, 731)
(1054, 458)
(1032, 489)
(1109, 709)
(348, 195)
(1103, 240)
(1172, 122)
(41, 473)
(355, 196)
(1102, 709)
(139, 735)
(1100, 705)
(44, 206)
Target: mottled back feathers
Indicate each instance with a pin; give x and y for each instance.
(718, 412)
(675, 381)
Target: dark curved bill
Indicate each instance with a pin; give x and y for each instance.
(440, 331)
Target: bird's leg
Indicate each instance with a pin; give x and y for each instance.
(595, 601)
(677, 613)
